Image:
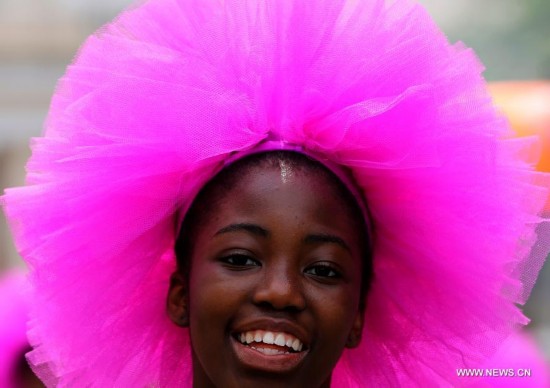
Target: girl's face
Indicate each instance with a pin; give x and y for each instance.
(275, 284)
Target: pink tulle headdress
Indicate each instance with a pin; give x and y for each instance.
(521, 362)
(159, 100)
(14, 304)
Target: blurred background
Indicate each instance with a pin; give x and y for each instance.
(38, 39)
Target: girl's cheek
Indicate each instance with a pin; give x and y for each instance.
(337, 307)
(213, 288)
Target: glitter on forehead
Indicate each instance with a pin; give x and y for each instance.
(286, 171)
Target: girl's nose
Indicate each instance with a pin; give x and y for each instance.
(280, 288)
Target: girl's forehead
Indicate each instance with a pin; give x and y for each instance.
(280, 195)
(286, 177)
(286, 171)
(285, 210)
(288, 184)
(278, 188)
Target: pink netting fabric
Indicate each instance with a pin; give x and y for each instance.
(520, 358)
(158, 99)
(14, 305)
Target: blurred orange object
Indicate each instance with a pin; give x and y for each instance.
(527, 106)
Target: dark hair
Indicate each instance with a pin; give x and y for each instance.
(214, 192)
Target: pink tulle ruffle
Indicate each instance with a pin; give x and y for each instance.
(14, 305)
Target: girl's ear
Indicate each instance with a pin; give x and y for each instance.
(354, 337)
(176, 303)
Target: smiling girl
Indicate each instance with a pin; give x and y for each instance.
(275, 193)
(274, 262)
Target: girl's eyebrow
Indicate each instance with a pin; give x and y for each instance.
(250, 228)
(326, 238)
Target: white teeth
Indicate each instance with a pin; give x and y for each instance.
(280, 340)
(270, 338)
(269, 351)
(297, 345)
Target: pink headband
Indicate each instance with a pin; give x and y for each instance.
(341, 173)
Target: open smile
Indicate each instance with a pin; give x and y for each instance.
(270, 351)
(278, 342)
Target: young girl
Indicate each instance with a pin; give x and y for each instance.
(274, 264)
(257, 193)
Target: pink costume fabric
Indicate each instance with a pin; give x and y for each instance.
(522, 362)
(14, 305)
(158, 100)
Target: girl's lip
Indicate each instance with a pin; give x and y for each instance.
(277, 363)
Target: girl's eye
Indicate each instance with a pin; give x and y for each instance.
(323, 271)
(239, 260)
